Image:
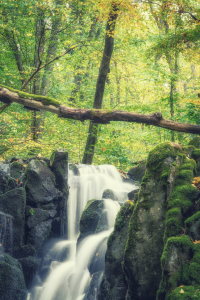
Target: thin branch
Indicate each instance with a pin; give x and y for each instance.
(39, 68)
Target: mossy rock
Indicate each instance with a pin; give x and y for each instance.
(161, 152)
(159, 209)
(175, 263)
(16, 170)
(193, 226)
(109, 194)
(114, 274)
(195, 142)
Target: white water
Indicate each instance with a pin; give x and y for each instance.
(69, 279)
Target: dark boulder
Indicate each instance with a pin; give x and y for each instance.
(39, 183)
(39, 234)
(12, 284)
(30, 266)
(91, 219)
(109, 194)
(39, 215)
(24, 251)
(59, 166)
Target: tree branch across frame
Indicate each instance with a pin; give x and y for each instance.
(100, 116)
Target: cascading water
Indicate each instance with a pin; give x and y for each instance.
(69, 279)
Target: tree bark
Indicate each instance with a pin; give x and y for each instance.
(98, 116)
(100, 86)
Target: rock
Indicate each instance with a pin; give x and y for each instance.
(59, 166)
(50, 206)
(4, 175)
(147, 224)
(38, 215)
(90, 218)
(13, 203)
(16, 170)
(39, 183)
(24, 251)
(193, 226)
(39, 234)
(74, 168)
(109, 194)
(29, 266)
(12, 284)
(114, 285)
(175, 262)
(137, 173)
(6, 233)
(133, 195)
(92, 293)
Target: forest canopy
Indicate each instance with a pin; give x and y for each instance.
(136, 56)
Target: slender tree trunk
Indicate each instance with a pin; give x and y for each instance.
(100, 86)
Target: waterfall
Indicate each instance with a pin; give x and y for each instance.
(69, 279)
(6, 233)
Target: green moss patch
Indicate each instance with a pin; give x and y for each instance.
(185, 293)
(43, 99)
(160, 152)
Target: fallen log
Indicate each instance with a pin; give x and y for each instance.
(100, 116)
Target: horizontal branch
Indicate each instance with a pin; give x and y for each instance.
(95, 115)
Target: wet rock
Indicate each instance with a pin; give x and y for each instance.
(91, 218)
(74, 168)
(39, 183)
(12, 284)
(109, 194)
(29, 266)
(114, 285)
(93, 291)
(13, 203)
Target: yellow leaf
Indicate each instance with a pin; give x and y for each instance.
(181, 291)
(11, 140)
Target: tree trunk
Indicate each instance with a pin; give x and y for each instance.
(100, 86)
